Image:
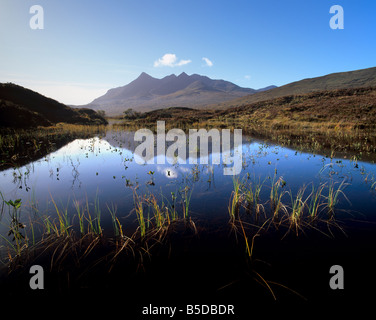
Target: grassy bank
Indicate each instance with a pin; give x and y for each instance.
(337, 120)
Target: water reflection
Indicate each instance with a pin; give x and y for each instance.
(105, 168)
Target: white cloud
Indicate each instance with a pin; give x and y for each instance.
(247, 77)
(183, 62)
(208, 62)
(170, 60)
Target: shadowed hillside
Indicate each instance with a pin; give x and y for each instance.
(22, 108)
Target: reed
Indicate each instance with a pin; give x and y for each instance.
(118, 228)
(2, 204)
(139, 208)
(235, 200)
(186, 194)
(332, 199)
(315, 202)
(171, 206)
(158, 216)
(93, 219)
(275, 198)
(97, 212)
(80, 214)
(251, 195)
(63, 220)
(248, 249)
(297, 208)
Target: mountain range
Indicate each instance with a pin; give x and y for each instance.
(21, 107)
(148, 93)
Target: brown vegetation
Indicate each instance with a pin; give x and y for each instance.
(338, 119)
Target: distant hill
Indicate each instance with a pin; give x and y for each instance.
(352, 108)
(341, 120)
(21, 108)
(147, 93)
(341, 80)
(334, 118)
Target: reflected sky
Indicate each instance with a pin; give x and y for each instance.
(105, 168)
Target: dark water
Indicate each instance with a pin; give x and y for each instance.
(104, 170)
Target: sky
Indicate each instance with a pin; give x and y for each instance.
(87, 47)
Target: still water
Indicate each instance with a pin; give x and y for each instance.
(102, 171)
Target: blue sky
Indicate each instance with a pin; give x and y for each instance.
(88, 47)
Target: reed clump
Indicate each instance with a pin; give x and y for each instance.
(308, 208)
(71, 237)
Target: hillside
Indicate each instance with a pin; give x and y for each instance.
(355, 108)
(147, 93)
(343, 119)
(347, 107)
(342, 80)
(22, 108)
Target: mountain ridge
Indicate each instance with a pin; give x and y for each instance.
(333, 81)
(147, 93)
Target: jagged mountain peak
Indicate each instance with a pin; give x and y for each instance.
(147, 93)
(144, 75)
